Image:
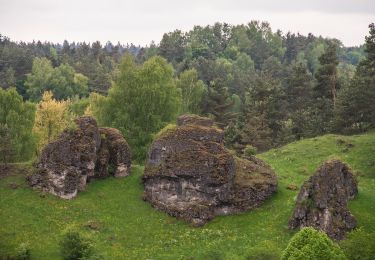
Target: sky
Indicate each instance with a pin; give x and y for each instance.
(141, 21)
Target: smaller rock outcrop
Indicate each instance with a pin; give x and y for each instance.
(191, 175)
(323, 201)
(78, 155)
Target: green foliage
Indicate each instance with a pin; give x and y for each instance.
(63, 81)
(250, 150)
(132, 229)
(7, 151)
(74, 246)
(142, 100)
(166, 129)
(359, 245)
(18, 117)
(312, 244)
(23, 252)
(192, 90)
(78, 106)
(355, 111)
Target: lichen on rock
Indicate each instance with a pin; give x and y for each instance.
(78, 155)
(191, 175)
(323, 200)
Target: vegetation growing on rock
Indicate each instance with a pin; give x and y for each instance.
(191, 175)
(78, 155)
(323, 199)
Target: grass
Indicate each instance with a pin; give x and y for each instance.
(123, 226)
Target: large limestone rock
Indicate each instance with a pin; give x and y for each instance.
(190, 175)
(323, 200)
(78, 155)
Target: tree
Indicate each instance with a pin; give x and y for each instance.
(172, 46)
(66, 83)
(326, 77)
(298, 92)
(18, 117)
(39, 79)
(143, 99)
(311, 244)
(7, 151)
(219, 102)
(63, 81)
(356, 108)
(51, 118)
(192, 90)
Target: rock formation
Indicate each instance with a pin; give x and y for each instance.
(323, 199)
(190, 175)
(78, 155)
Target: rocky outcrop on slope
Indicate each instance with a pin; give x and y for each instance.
(191, 175)
(78, 155)
(323, 200)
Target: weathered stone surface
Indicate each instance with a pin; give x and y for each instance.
(323, 199)
(190, 175)
(113, 151)
(78, 155)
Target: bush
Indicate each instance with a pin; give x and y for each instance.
(311, 244)
(250, 150)
(74, 246)
(359, 245)
(22, 252)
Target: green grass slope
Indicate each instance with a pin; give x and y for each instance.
(123, 226)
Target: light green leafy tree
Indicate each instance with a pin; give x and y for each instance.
(63, 81)
(18, 116)
(192, 90)
(143, 99)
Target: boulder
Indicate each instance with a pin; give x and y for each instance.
(191, 175)
(78, 155)
(323, 201)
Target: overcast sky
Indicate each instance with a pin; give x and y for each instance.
(141, 21)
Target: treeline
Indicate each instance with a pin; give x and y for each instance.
(264, 88)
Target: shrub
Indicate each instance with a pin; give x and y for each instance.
(359, 245)
(74, 246)
(311, 244)
(250, 150)
(22, 252)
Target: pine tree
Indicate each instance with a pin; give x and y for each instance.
(325, 91)
(326, 77)
(356, 106)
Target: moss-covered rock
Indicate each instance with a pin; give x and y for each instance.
(323, 200)
(191, 175)
(78, 155)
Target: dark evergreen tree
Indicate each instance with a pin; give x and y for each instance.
(325, 91)
(356, 106)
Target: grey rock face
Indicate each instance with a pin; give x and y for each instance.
(323, 200)
(190, 175)
(78, 155)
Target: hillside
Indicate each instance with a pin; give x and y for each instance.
(122, 225)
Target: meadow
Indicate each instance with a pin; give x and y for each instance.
(121, 225)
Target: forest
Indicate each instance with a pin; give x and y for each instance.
(263, 88)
